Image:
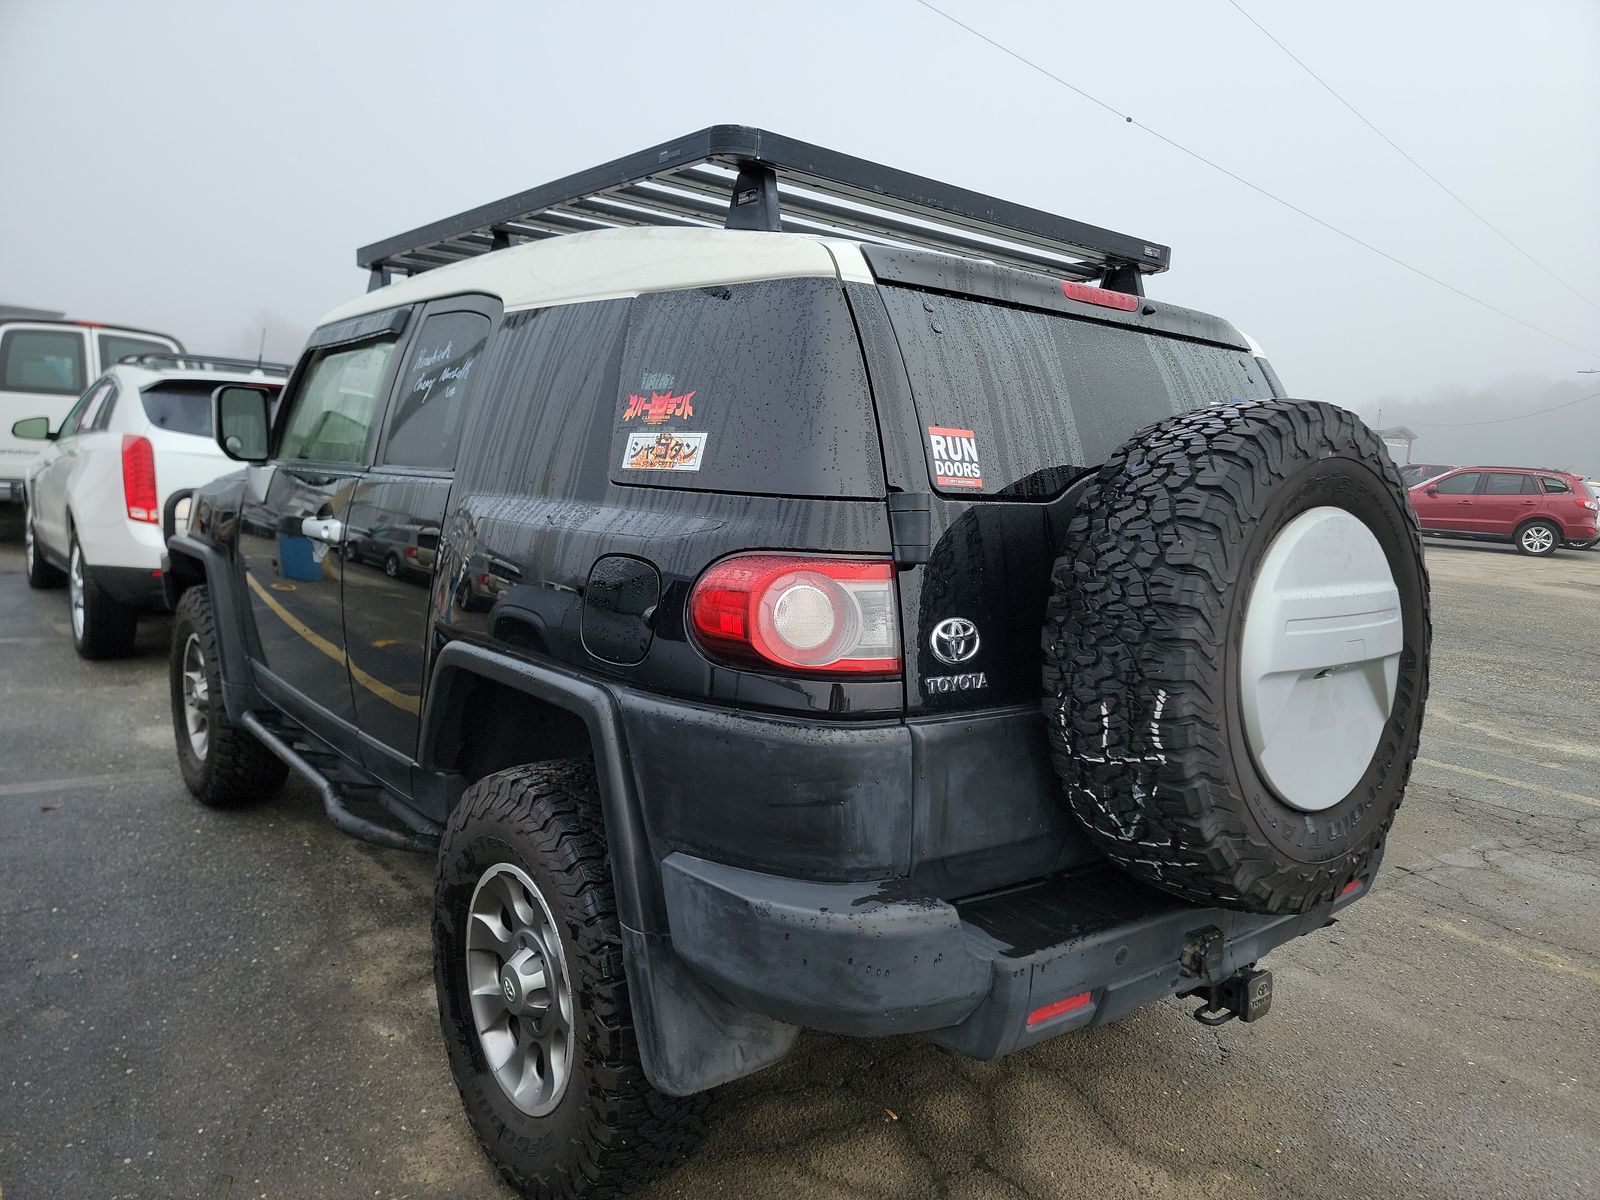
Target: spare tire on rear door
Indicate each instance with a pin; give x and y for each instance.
(1236, 654)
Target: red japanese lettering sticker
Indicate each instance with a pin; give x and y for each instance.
(659, 407)
(955, 457)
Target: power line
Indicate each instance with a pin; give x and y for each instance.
(1502, 420)
(1439, 183)
(1255, 187)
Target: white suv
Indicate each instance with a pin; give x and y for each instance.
(44, 366)
(97, 493)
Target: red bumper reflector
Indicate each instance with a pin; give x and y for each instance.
(1060, 1007)
(1353, 886)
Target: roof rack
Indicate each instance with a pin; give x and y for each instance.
(202, 362)
(737, 177)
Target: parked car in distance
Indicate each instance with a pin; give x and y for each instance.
(1536, 509)
(1587, 543)
(404, 551)
(44, 367)
(98, 488)
(1414, 473)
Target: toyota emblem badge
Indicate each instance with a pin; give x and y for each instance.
(954, 640)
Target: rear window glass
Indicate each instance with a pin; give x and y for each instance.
(42, 360)
(114, 347)
(1015, 402)
(757, 388)
(180, 406)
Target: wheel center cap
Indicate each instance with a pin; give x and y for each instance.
(508, 985)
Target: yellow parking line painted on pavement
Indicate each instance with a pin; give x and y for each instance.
(1516, 783)
(1532, 955)
(380, 689)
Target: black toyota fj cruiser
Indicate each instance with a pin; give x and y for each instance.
(854, 606)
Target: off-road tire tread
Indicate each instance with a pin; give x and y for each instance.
(1137, 610)
(631, 1133)
(238, 769)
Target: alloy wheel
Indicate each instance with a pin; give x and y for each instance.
(521, 994)
(196, 697)
(1537, 539)
(75, 591)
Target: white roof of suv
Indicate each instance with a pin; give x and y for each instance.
(609, 264)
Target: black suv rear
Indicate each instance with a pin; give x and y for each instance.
(915, 637)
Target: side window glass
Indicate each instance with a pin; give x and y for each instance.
(84, 409)
(1505, 485)
(114, 347)
(331, 413)
(101, 417)
(425, 418)
(42, 360)
(1463, 484)
(1530, 486)
(1557, 486)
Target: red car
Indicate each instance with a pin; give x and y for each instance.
(1534, 508)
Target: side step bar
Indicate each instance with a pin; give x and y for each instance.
(419, 840)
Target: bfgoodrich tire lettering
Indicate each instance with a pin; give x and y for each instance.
(1142, 641)
(609, 1131)
(222, 765)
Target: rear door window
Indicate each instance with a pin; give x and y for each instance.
(756, 388)
(425, 417)
(1503, 484)
(1016, 402)
(42, 360)
(114, 347)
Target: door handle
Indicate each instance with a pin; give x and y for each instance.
(323, 529)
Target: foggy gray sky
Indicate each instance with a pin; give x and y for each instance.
(210, 168)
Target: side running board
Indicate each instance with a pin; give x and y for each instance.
(421, 835)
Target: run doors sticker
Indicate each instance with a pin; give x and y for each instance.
(955, 457)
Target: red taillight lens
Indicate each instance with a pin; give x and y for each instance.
(139, 479)
(1060, 1008)
(798, 612)
(411, 551)
(1104, 297)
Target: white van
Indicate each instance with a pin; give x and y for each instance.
(44, 367)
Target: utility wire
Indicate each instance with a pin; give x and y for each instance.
(1439, 183)
(1255, 187)
(1502, 420)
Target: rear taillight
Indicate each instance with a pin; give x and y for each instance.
(799, 613)
(411, 551)
(1104, 297)
(139, 479)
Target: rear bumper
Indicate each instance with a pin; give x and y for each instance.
(137, 587)
(868, 959)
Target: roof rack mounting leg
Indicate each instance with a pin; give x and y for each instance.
(378, 277)
(755, 199)
(1123, 277)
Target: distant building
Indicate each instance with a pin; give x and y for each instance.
(1398, 438)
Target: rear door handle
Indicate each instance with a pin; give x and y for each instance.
(323, 529)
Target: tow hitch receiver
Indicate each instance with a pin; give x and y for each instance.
(1246, 994)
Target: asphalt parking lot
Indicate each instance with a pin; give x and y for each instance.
(200, 1004)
